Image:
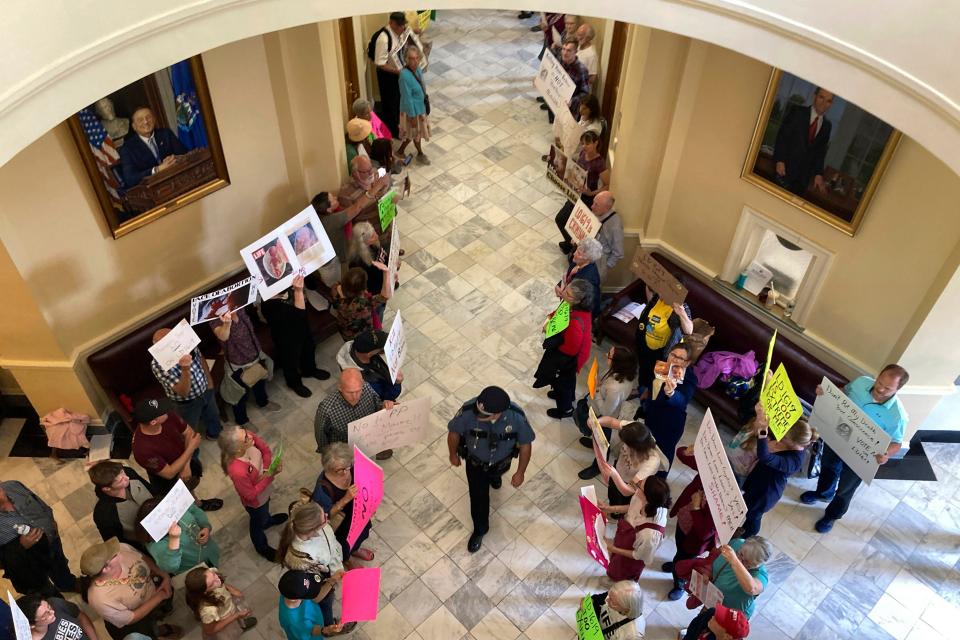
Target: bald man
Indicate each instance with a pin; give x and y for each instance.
(364, 183)
(587, 53)
(189, 386)
(353, 399)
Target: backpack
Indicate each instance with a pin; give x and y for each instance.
(372, 45)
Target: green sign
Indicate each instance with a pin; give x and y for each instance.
(588, 627)
(560, 319)
(272, 469)
(388, 210)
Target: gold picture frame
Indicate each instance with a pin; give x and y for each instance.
(829, 169)
(131, 193)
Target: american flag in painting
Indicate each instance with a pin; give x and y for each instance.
(104, 152)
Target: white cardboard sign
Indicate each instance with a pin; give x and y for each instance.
(170, 510)
(719, 484)
(181, 340)
(309, 240)
(272, 259)
(406, 423)
(214, 305)
(395, 349)
(554, 83)
(393, 261)
(582, 223)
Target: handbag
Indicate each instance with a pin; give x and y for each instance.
(816, 456)
(426, 98)
(253, 374)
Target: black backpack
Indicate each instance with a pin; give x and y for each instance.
(372, 45)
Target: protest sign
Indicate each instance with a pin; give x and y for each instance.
(582, 223)
(271, 258)
(556, 170)
(361, 594)
(181, 340)
(395, 348)
(559, 320)
(368, 476)
(849, 432)
(554, 83)
(21, 626)
(588, 626)
(592, 379)
(277, 459)
(599, 437)
(568, 131)
(423, 20)
(406, 423)
(575, 176)
(720, 486)
(656, 276)
(595, 527)
(170, 510)
(387, 209)
(211, 306)
(704, 590)
(780, 403)
(766, 364)
(309, 240)
(601, 462)
(393, 260)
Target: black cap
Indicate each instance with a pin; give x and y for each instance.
(399, 17)
(149, 410)
(300, 585)
(370, 341)
(493, 400)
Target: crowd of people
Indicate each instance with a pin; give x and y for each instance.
(127, 578)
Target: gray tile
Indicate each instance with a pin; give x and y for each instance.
(844, 608)
(900, 532)
(522, 606)
(547, 582)
(469, 605)
(80, 502)
(873, 569)
(817, 629)
(416, 603)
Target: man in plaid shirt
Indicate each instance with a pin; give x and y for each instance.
(577, 72)
(190, 386)
(353, 399)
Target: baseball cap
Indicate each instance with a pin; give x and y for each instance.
(147, 410)
(399, 17)
(370, 341)
(358, 129)
(299, 585)
(733, 621)
(493, 400)
(96, 557)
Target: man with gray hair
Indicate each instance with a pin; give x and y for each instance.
(587, 53)
(620, 611)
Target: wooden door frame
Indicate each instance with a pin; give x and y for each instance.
(611, 83)
(348, 54)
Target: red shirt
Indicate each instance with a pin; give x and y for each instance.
(153, 453)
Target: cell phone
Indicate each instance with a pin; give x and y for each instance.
(381, 172)
(22, 529)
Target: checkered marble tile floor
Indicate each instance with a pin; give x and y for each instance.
(481, 260)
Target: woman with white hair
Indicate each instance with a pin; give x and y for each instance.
(583, 267)
(566, 352)
(738, 570)
(366, 252)
(335, 492)
(620, 611)
(362, 108)
(414, 106)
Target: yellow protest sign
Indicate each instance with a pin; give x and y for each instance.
(592, 379)
(598, 435)
(780, 403)
(766, 365)
(423, 18)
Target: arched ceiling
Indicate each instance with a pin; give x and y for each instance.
(895, 59)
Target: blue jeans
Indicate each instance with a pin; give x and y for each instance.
(202, 411)
(837, 483)
(259, 521)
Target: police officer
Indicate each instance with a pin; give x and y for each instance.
(487, 433)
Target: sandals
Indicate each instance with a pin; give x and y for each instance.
(363, 554)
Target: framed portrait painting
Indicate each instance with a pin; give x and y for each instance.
(152, 146)
(818, 151)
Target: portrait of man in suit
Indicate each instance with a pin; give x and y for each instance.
(148, 149)
(801, 144)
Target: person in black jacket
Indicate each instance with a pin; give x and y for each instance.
(720, 623)
(365, 352)
(120, 492)
(801, 145)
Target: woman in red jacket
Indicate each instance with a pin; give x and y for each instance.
(246, 458)
(696, 533)
(566, 352)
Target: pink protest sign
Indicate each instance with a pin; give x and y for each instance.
(368, 476)
(361, 594)
(595, 525)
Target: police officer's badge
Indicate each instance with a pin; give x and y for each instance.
(508, 429)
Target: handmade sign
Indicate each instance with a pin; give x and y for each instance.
(704, 590)
(554, 83)
(592, 379)
(361, 594)
(601, 462)
(594, 525)
(780, 403)
(170, 510)
(272, 259)
(656, 276)
(766, 365)
(393, 261)
(395, 348)
(575, 176)
(720, 486)
(559, 321)
(21, 626)
(582, 223)
(277, 459)
(567, 131)
(849, 432)
(557, 169)
(423, 20)
(588, 626)
(181, 341)
(599, 437)
(309, 240)
(388, 209)
(368, 476)
(406, 423)
(211, 306)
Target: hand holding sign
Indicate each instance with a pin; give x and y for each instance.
(559, 320)
(656, 276)
(368, 477)
(780, 403)
(719, 484)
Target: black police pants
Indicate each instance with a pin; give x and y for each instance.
(478, 482)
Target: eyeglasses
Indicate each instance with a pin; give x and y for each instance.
(340, 470)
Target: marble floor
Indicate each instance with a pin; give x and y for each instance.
(481, 260)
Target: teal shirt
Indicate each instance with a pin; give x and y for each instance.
(298, 623)
(411, 93)
(889, 416)
(190, 553)
(726, 580)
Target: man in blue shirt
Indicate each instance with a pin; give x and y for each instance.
(878, 399)
(300, 615)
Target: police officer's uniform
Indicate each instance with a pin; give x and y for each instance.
(487, 449)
